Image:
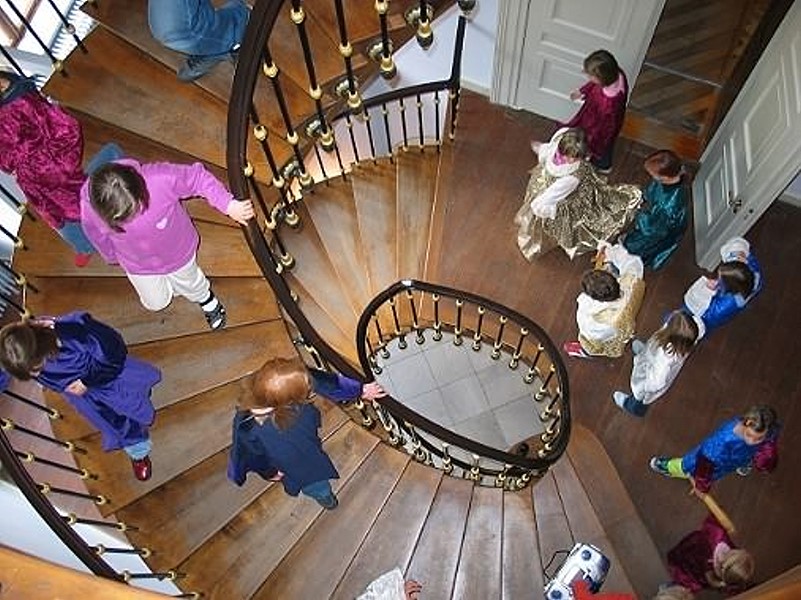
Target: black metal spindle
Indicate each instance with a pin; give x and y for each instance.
(419, 337)
(396, 322)
(10, 424)
(17, 241)
(437, 134)
(320, 162)
(15, 305)
(382, 344)
(11, 61)
(326, 134)
(30, 457)
(257, 193)
(46, 488)
(346, 50)
(385, 114)
(57, 64)
(518, 349)
(73, 519)
(18, 278)
(100, 550)
(544, 387)
(272, 72)
(68, 27)
(457, 331)
(369, 124)
(456, 74)
(18, 206)
(349, 123)
(387, 68)
(437, 322)
(420, 121)
(51, 412)
(496, 346)
(477, 334)
(403, 123)
(291, 217)
(161, 576)
(534, 370)
(285, 260)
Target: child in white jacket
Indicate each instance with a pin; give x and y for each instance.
(657, 363)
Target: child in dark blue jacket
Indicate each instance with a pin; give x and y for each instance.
(275, 430)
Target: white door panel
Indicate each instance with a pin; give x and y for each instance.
(553, 40)
(757, 150)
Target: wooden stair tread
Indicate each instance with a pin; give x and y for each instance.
(439, 214)
(333, 212)
(479, 571)
(521, 572)
(192, 364)
(392, 538)
(639, 555)
(235, 562)
(178, 516)
(437, 554)
(134, 99)
(416, 189)
(553, 530)
(113, 301)
(327, 547)
(175, 446)
(225, 252)
(585, 525)
(374, 192)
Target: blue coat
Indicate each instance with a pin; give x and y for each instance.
(296, 451)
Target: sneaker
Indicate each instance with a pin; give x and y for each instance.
(215, 317)
(744, 471)
(142, 468)
(196, 67)
(620, 398)
(637, 346)
(82, 259)
(329, 502)
(574, 349)
(659, 464)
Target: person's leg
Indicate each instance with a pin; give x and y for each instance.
(72, 233)
(195, 28)
(604, 163)
(321, 491)
(108, 153)
(190, 282)
(155, 291)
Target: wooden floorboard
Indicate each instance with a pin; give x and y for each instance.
(520, 564)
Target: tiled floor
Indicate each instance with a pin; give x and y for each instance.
(463, 390)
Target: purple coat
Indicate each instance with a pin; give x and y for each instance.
(117, 401)
(161, 239)
(42, 146)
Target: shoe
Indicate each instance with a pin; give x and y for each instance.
(329, 502)
(744, 471)
(520, 449)
(620, 398)
(142, 468)
(574, 349)
(637, 346)
(82, 259)
(216, 317)
(659, 464)
(198, 66)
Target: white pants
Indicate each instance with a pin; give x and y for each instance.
(156, 291)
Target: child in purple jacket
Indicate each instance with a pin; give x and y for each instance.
(133, 214)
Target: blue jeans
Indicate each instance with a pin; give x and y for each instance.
(194, 27)
(139, 450)
(108, 153)
(319, 490)
(72, 233)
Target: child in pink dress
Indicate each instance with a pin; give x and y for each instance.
(601, 114)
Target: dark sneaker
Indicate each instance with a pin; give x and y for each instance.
(196, 67)
(659, 464)
(329, 502)
(216, 317)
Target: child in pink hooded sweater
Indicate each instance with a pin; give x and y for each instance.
(133, 214)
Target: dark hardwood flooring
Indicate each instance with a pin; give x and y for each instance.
(754, 359)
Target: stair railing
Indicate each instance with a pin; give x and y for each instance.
(412, 312)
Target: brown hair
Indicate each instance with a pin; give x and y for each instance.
(679, 334)
(664, 163)
(737, 278)
(760, 418)
(281, 384)
(117, 192)
(600, 285)
(736, 570)
(24, 346)
(573, 143)
(602, 64)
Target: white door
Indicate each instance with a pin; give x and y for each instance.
(541, 46)
(756, 152)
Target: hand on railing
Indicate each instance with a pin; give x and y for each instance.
(240, 211)
(373, 391)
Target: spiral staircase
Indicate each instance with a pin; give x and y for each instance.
(358, 234)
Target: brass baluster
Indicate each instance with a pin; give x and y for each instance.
(548, 412)
(496, 346)
(382, 345)
(457, 332)
(518, 349)
(447, 462)
(396, 321)
(387, 67)
(437, 322)
(477, 335)
(533, 370)
(9, 424)
(419, 337)
(403, 123)
(346, 50)
(544, 387)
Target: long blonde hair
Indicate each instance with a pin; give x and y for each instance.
(736, 570)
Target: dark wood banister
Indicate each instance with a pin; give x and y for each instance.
(402, 411)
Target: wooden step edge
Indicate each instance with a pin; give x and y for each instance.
(294, 282)
(209, 332)
(438, 218)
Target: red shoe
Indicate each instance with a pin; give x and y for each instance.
(82, 259)
(142, 468)
(575, 350)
